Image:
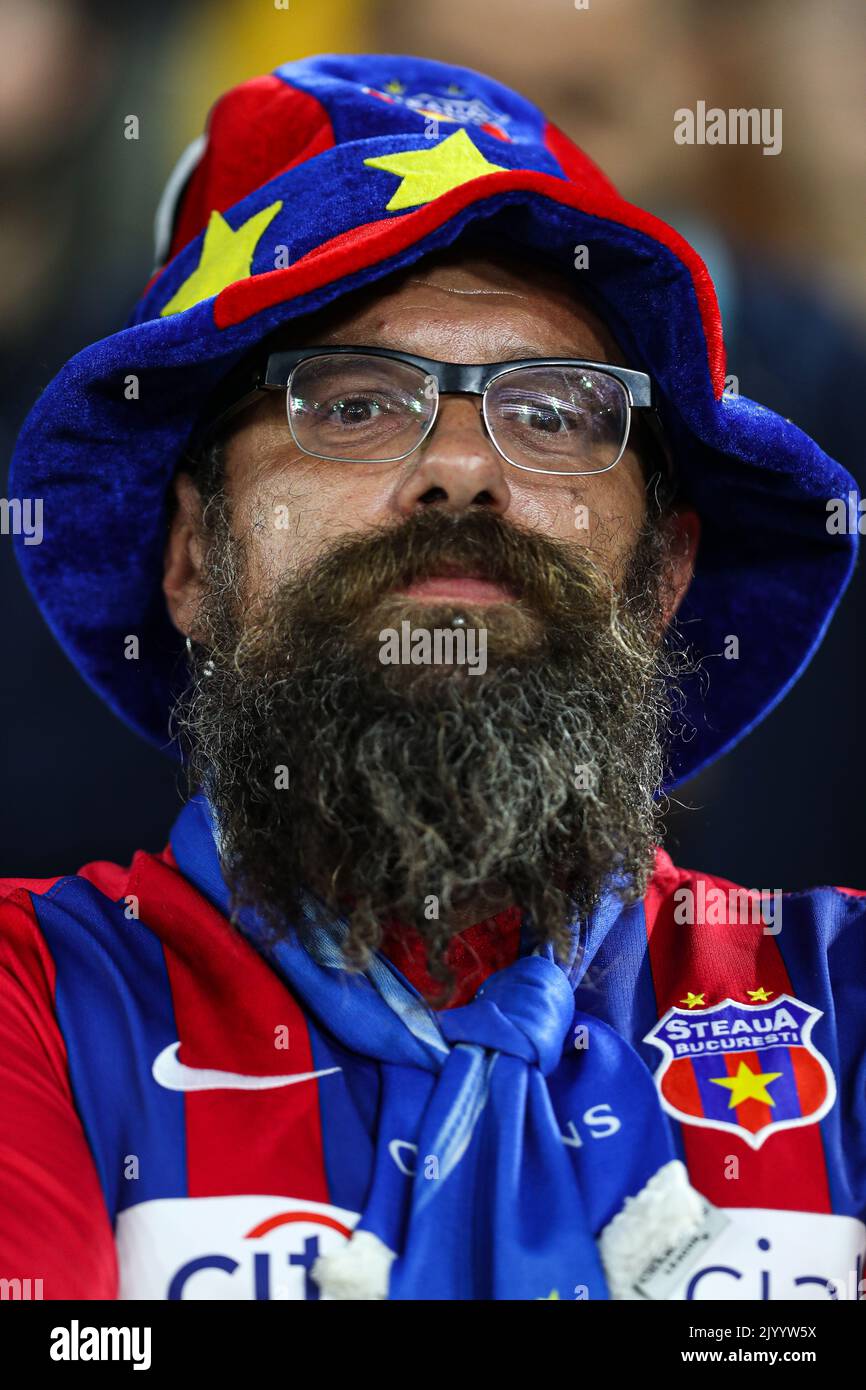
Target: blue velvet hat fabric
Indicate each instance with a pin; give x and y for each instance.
(326, 176)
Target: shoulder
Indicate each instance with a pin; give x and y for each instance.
(720, 939)
(697, 897)
(116, 932)
(104, 878)
(75, 913)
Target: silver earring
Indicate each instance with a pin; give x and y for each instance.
(208, 668)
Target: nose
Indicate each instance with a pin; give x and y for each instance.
(457, 466)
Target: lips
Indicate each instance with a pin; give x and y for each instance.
(470, 588)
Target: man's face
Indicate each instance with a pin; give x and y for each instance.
(462, 310)
(428, 793)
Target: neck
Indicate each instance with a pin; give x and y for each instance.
(480, 946)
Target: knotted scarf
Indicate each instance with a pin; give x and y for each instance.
(510, 1131)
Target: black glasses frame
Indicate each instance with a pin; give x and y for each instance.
(452, 378)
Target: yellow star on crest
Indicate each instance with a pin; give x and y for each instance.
(762, 994)
(747, 1085)
(691, 1001)
(546, 1297)
(427, 174)
(395, 88)
(226, 256)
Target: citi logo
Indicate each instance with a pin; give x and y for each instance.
(234, 1248)
(264, 1275)
(717, 1282)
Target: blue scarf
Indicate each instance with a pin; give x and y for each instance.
(510, 1130)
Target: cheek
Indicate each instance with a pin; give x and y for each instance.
(604, 513)
(286, 519)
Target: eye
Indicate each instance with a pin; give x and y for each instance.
(544, 418)
(538, 411)
(354, 410)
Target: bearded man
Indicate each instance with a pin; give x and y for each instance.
(417, 448)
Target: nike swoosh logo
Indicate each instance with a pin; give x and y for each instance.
(174, 1075)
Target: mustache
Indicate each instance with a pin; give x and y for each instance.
(561, 584)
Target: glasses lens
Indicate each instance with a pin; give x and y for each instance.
(359, 409)
(558, 419)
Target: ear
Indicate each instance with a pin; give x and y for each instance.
(684, 530)
(182, 572)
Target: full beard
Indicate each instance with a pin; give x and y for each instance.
(408, 794)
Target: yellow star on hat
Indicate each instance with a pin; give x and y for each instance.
(756, 994)
(747, 1085)
(427, 174)
(226, 256)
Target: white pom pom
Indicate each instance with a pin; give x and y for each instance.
(360, 1270)
(664, 1212)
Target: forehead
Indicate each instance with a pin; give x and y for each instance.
(466, 306)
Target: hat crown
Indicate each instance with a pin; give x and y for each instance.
(268, 125)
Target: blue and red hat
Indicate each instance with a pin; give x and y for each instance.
(323, 177)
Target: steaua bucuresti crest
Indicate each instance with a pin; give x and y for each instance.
(452, 104)
(751, 1069)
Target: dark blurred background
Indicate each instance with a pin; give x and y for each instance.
(783, 238)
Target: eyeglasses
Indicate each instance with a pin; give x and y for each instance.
(553, 415)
